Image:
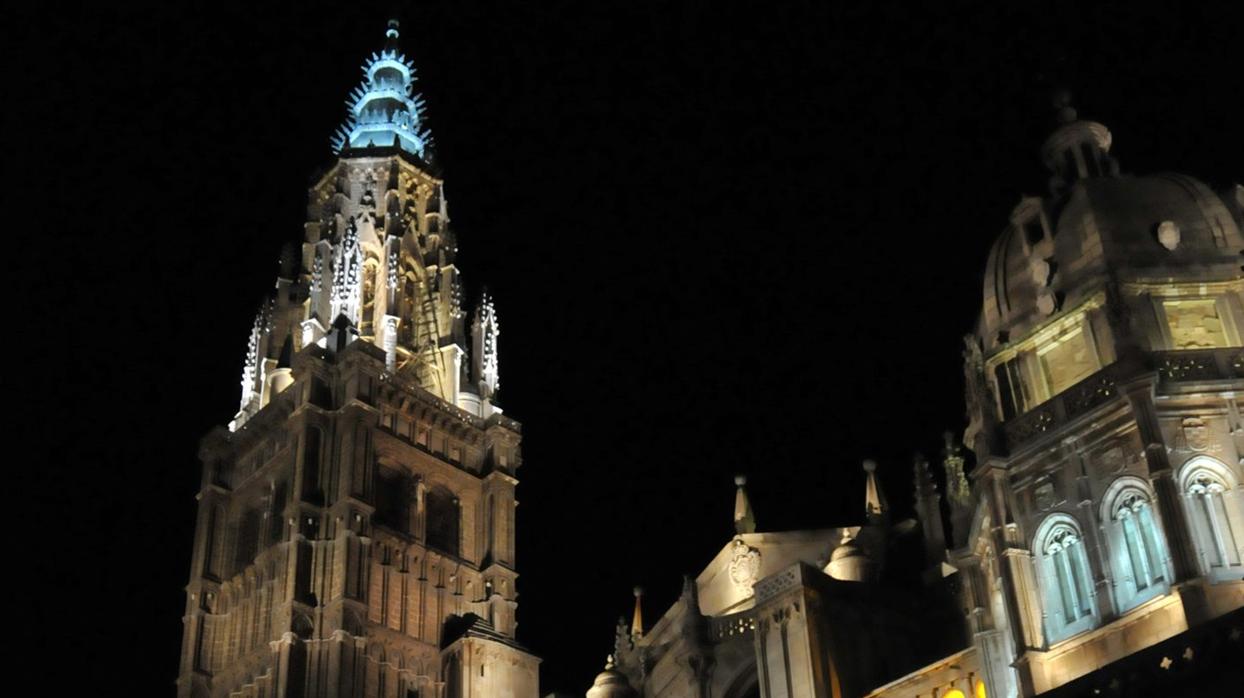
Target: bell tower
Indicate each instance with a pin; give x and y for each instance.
(356, 518)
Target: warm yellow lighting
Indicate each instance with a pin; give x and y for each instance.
(1194, 324)
(980, 689)
(953, 693)
(1067, 360)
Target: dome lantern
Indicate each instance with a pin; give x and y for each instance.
(1077, 149)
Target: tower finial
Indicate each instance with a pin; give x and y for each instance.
(744, 517)
(637, 620)
(384, 110)
(391, 35)
(874, 499)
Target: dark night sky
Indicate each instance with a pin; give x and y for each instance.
(721, 240)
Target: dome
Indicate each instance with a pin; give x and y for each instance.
(611, 683)
(849, 562)
(1056, 251)
(848, 549)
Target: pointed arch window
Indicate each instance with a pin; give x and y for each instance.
(1138, 553)
(1066, 579)
(1212, 505)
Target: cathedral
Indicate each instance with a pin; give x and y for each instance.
(356, 517)
(355, 530)
(1094, 546)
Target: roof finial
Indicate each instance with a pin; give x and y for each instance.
(744, 518)
(874, 500)
(637, 620)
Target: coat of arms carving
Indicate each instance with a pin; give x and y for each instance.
(1196, 434)
(744, 566)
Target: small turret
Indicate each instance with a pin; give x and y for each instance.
(486, 365)
(929, 510)
(1076, 149)
(850, 562)
(875, 506)
(611, 683)
(744, 518)
(958, 491)
(637, 619)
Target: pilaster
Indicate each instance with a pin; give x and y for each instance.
(1140, 395)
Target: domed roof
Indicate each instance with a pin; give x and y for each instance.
(611, 683)
(849, 562)
(1056, 251)
(848, 548)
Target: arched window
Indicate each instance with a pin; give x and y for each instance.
(1212, 504)
(1138, 555)
(443, 514)
(1066, 581)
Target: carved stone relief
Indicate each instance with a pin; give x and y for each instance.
(1112, 460)
(744, 566)
(1044, 496)
(1195, 435)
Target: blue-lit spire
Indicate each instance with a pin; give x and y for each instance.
(384, 109)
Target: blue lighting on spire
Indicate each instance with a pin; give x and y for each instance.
(384, 110)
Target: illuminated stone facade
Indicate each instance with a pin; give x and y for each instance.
(1104, 514)
(355, 532)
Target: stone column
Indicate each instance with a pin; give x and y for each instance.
(1010, 562)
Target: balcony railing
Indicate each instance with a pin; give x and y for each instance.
(1097, 389)
(736, 625)
(1199, 364)
(1102, 387)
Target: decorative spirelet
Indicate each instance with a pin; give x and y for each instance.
(384, 110)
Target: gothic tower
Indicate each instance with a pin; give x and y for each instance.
(355, 532)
